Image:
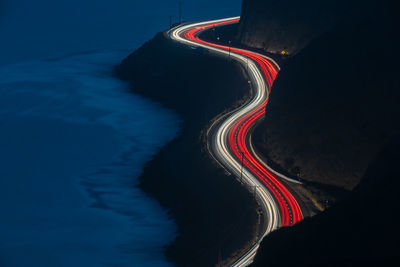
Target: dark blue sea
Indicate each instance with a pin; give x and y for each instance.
(73, 142)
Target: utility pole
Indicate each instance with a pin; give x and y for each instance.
(180, 11)
(219, 256)
(229, 47)
(241, 167)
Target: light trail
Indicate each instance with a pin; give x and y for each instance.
(229, 143)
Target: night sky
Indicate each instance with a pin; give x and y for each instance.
(47, 28)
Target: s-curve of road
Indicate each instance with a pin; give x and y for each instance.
(229, 137)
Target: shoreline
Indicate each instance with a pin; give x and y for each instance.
(93, 141)
(208, 217)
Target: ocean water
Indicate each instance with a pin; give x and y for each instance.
(73, 142)
(47, 28)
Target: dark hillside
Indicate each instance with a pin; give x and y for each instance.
(333, 108)
(360, 231)
(333, 118)
(216, 216)
(290, 25)
(335, 105)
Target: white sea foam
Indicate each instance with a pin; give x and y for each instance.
(73, 142)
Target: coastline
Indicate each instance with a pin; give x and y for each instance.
(209, 218)
(83, 140)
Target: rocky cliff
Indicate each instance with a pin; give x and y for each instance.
(334, 105)
(362, 230)
(333, 119)
(289, 26)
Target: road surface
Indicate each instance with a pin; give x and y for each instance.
(229, 137)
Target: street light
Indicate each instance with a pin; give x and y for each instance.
(255, 187)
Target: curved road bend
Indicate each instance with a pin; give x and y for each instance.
(229, 136)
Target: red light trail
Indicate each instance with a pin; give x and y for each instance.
(290, 210)
(229, 141)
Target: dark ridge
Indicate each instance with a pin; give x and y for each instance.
(361, 230)
(333, 120)
(289, 26)
(215, 215)
(335, 105)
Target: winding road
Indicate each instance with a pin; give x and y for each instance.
(229, 137)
